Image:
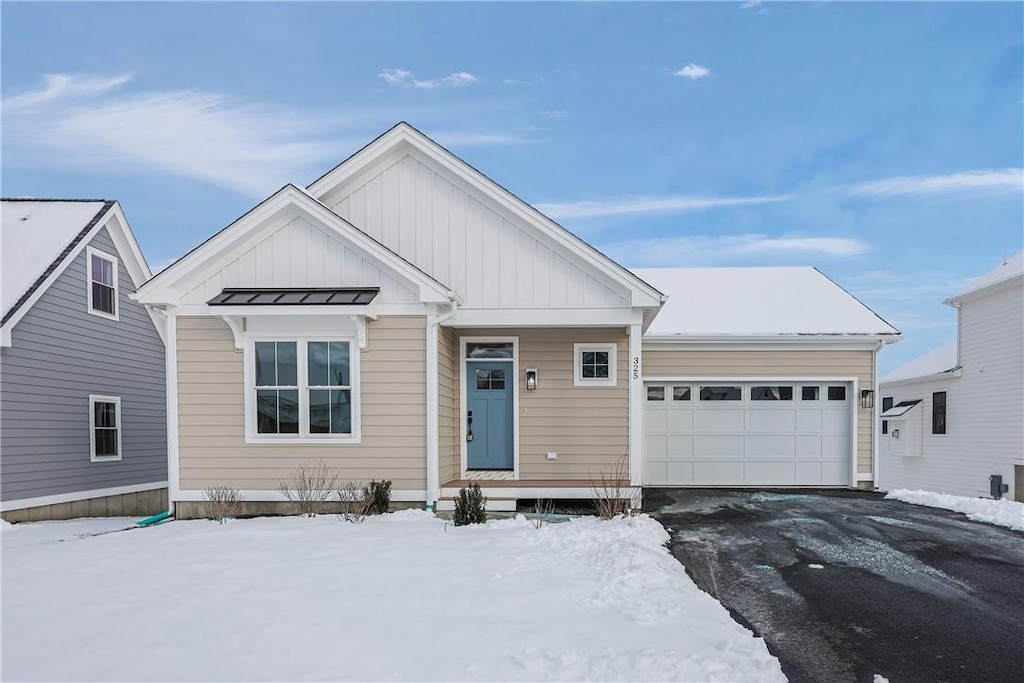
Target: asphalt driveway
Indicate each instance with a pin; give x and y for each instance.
(844, 585)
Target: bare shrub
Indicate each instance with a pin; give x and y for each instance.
(612, 492)
(542, 509)
(222, 503)
(355, 504)
(309, 487)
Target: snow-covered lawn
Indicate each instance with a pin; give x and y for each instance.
(1000, 512)
(404, 597)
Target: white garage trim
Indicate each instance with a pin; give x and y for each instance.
(854, 401)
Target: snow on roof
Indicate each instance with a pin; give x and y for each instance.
(34, 234)
(938, 360)
(1011, 267)
(757, 302)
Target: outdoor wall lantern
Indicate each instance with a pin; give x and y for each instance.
(531, 379)
(867, 398)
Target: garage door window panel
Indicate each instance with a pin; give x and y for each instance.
(771, 393)
(680, 393)
(655, 393)
(837, 393)
(721, 393)
(810, 393)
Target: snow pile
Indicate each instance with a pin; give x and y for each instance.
(400, 597)
(1000, 512)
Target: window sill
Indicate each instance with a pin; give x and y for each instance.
(103, 314)
(594, 383)
(105, 458)
(302, 440)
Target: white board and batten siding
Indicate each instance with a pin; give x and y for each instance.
(984, 406)
(301, 253)
(492, 258)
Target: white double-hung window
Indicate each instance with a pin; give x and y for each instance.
(302, 389)
(102, 283)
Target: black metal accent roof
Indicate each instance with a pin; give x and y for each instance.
(295, 296)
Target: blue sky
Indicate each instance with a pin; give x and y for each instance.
(881, 142)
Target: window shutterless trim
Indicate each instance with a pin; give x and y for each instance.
(93, 400)
(301, 353)
(939, 412)
(579, 380)
(115, 266)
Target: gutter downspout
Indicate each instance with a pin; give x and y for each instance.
(433, 430)
(171, 382)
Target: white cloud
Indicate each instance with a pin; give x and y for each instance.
(407, 79)
(63, 87)
(693, 71)
(704, 249)
(665, 204)
(536, 80)
(250, 148)
(990, 180)
(751, 4)
(555, 114)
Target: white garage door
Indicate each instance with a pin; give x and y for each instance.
(770, 433)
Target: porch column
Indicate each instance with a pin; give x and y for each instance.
(636, 387)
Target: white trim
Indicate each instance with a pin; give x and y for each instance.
(273, 496)
(780, 343)
(635, 379)
(171, 364)
(74, 496)
(240, 234)
(493, 505)
(852, 398)
(93, 400)
(526, 491)
(464, 377)
(304, 436)
(611, 348)
(547, 317)
(876, 420)
(433, 425)
(115, 263)
(404, 135)
(933, 377)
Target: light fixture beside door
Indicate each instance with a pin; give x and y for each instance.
(531, 379)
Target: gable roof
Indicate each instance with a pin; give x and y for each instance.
(935, 362)
(40, 239)
(1009, 269)
(757, 302)
(37, 235)
(222, 241)
(404, 134)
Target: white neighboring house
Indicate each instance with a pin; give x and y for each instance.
(955, 416)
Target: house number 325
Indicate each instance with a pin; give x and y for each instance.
(636, 367)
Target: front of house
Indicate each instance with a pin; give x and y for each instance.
(406, 318)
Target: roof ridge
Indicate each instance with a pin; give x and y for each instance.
(53, 199)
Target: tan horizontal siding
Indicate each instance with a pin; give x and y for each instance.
(588, 427)
(211, 421)
(447, 405)
(796, 363)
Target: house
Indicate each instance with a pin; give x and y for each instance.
(82, 367)
(954, 417)
(405, 317)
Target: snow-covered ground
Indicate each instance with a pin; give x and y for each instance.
(1000, 512)
(404, 596)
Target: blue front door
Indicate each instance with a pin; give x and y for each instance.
(489, 417)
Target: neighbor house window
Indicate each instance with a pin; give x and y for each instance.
(104, 428)
(886, 404)
(102, 277)
(721, 393)
(302, 389)
(939, 412)
(594, 365)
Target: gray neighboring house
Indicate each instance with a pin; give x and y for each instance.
(83, 428)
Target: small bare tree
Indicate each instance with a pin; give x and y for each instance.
(309, 487)
(612, 492)
(542, 509)
(222, 503)
(355, 504)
